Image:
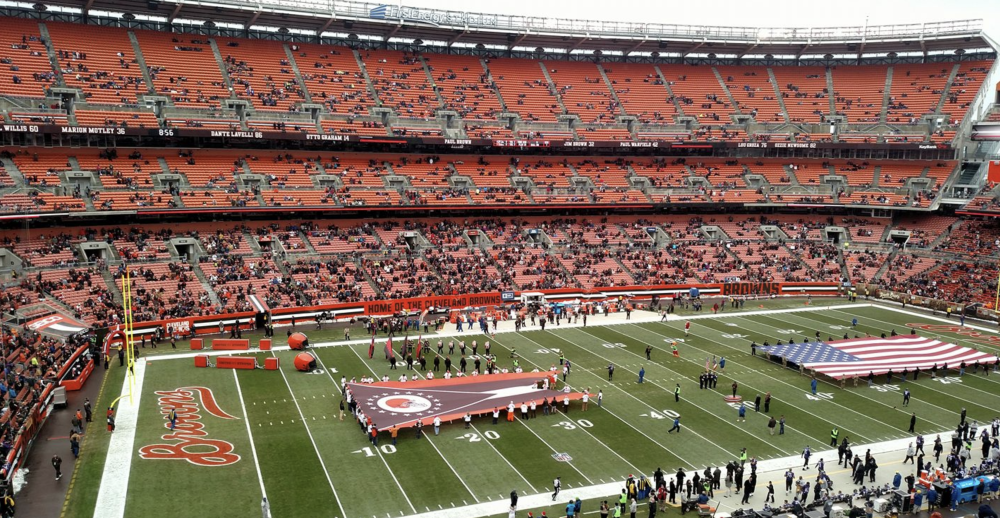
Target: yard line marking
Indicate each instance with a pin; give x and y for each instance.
(688, 344)
(612, 413)
(505, 460)
(112, 495)
(460, 479)
(665, 389)
(647, 405)
(253, 447)
(313, 441)
(378, 451)
(554, 450)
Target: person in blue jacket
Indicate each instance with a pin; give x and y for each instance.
(743, 412)
(812, 385)
(897, 480)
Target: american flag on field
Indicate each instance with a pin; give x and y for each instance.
(845, 358)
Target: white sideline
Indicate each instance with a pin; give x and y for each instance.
(614, 488)
(113, 492)
(253, 447)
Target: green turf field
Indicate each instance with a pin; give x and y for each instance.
(312, 464)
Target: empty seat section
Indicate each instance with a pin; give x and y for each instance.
(752, 90)
(353, 127)
(42, 166)
(488, 132)
(641, 92)
(401, 83)
(120, 172)
(524, 89)
(583, 91)
(211, 123)
(699, 93)
(206, 168)
(260, 72)
(604, 172)
(136, 119)
(484, 171)
(859, 173)
(298, 198)
(56, 117)
(282, 169)
(967, 83)
(549, 172)
(858, 91)
(23, 49)
(423, 171)
(131, 200)
(592, 133)
(100, 61)
(217, 198)
(916, 90)
(773, 171)
(333, 78)
(183, 67)
(402, 130)
(719, 173)
(357, 169)
(463, 83)
(804, 91)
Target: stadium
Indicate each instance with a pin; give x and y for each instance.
(240, 243)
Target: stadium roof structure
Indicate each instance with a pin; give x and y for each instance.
(395, 21)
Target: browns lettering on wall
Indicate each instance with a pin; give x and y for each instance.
(751, 288)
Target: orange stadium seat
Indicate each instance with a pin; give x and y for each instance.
(183, 68)
(99, 61)
(462, 82)
(524, 89)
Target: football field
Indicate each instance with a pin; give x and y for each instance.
(250, 433)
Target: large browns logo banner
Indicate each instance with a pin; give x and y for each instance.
(391, 404)
(59, 326)
(188, 440)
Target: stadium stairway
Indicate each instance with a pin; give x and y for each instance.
(553, 89)
(496, 91)
(298, 74)
(252, 241)
(368, 79)
(305, 242)
(223, 70)
(947, 87)
(830, 91)
(113, 288)
(794, 254)
(141, 60)
(886, 94)
(196, 268)
(430, 80)
(670, 91)
(878, 175)
(12, 171)
(729, 94)
(885, 264)
(777, 94)
(791, 176)
(885, 234)
(611, 88)
(43, 31)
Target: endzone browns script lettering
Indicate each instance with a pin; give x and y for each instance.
(192, 443)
